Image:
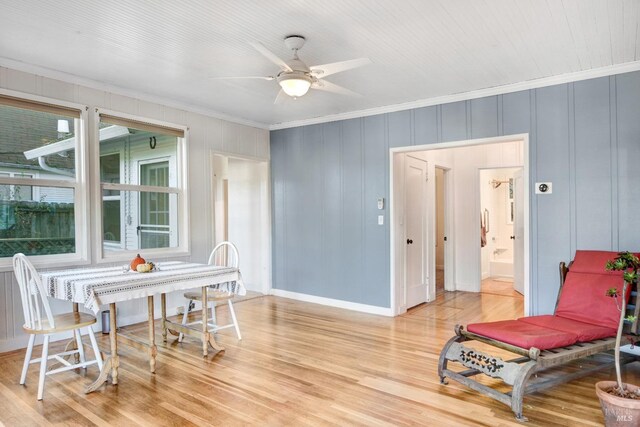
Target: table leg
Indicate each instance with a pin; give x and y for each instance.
(113, 340)
(205, 323)
(153, 351)
(112, 362)
(74, 345)
(163, 304)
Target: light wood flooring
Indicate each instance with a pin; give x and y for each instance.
(299, 364)
(499, 287)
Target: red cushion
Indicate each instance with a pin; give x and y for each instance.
(523, 335)
(593, 262)
(585, 331)
(584, 299)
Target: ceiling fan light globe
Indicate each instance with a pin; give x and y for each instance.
(295, 86)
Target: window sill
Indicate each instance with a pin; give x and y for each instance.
(47, 262)
(148, 254)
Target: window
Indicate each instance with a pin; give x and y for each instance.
(41, 198)
(143, 207)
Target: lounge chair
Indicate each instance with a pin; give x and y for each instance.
(584, 325)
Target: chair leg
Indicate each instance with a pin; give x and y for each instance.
(184, 319)
(235, 320)
(27, 359)
(78, 336)
(213, 313)
(43, 366)
(94, 345)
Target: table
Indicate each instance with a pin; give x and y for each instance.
(94, 287)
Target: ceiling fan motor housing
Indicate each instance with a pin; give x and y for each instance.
(294, 42)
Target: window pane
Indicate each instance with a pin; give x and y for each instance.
(140, 220)
(27, 136)
(134, 150)
(111, 220)
(38, 227)
(110, 171)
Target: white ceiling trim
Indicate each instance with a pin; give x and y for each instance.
(118, 90)
(474, 94)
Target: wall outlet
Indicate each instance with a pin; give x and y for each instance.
(180, 309)
(544, 188)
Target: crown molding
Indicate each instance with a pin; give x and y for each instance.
(119, 90)
(474, 94)
(445, 99)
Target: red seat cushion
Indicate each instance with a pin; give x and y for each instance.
(584, 331)
(523, 335)
(584, 298)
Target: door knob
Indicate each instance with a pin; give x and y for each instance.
(409, 241)
(512, 237)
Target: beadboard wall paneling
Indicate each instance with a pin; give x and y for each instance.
(206, 134)
(584, 137)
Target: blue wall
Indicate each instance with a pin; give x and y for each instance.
(584, 137)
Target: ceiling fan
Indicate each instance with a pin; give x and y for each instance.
(296, 78)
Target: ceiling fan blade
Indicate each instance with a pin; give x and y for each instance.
(280, 98)
(270, 55)
(243, 77)
(322, 71)
(334, 88)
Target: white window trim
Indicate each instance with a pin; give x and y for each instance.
(81, 190)
(182, 191)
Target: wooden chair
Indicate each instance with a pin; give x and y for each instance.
(583, 326)
(34, 304)
(224, 254)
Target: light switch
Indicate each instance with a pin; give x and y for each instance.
(380, 219)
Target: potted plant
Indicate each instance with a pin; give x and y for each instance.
(620, 402)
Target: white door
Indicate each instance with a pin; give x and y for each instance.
(518, 232)
(415, 208)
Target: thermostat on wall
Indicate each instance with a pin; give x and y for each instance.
(543, 188)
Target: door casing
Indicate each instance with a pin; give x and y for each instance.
(396, 253)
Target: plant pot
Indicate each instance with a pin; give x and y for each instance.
(618, 411)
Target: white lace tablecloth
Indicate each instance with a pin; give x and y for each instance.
(94, 287)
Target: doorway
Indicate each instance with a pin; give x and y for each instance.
(241, 215)
(461, 212)
(502, 244)
(441, 237)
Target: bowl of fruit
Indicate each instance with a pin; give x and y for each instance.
(141, 266)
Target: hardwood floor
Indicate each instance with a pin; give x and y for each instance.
(499, 287)
(299, 364)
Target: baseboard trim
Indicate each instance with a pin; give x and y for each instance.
(363, 308)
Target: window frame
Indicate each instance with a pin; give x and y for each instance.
(183, 247)
(81, 196)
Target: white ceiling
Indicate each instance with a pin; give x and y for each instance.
(420, 49)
